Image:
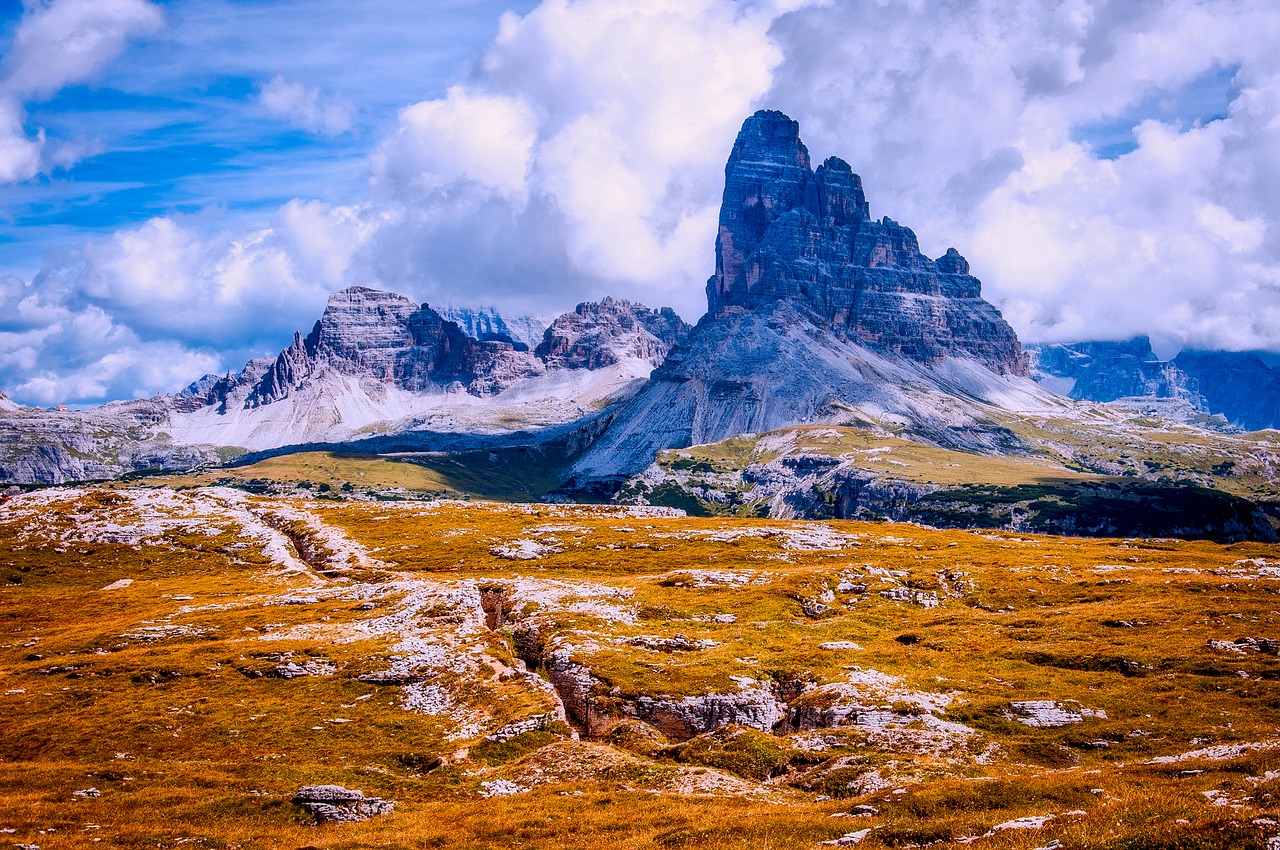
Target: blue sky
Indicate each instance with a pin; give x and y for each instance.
(185, 181)
(178, 125)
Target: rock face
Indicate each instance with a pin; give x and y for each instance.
(819, 314)
(1239, 386)
(597, 335)
(758, 708)
(804, 237)
(335, 804)
(384, 337)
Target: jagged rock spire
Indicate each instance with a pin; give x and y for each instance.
(789, 234)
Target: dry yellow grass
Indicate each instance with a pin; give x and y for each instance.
(188, 745)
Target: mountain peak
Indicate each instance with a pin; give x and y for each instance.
(770, 136)
(801, 238)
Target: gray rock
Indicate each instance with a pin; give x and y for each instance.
(675, 643)
(600, 334)
(815, 312)
(335, 804)
(758, 708)
(790, 233)
(1045, 713)
(814, 610)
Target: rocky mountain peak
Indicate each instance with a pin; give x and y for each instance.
(599, 334)
(805, 238)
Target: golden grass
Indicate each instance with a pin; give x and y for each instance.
(187, 746)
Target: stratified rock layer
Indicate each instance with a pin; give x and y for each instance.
(804, 237)
(596, 335)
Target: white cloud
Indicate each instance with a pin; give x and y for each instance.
(19, 154)
(152, 308)
(614, 118)
(168, 279)
(962, 126)
(59, 42)
(486, 139)
(308, 108)
(56, 43)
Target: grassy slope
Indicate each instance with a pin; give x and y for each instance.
(504, 474)
(188, 750)
(1085, 473)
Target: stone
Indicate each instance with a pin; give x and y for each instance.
(756, 707)
(1049, 714)
(599, 334)
(814, 609)
(501, 788)
(849, 839)
(675, 643)
(335, 804)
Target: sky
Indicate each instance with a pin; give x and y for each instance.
(184, 182)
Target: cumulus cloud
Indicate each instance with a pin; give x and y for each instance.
(19, 153)
(155, 307)
(966, 126)
(57, 43)
(308, 108)
(610, 119)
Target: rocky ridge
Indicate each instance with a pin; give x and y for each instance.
(805, 237)
(1237, 385)
(375, 363)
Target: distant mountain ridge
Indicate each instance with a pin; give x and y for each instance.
(374, 363)
(490, 323)
(1236, 389)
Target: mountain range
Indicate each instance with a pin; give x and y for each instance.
(818, 313)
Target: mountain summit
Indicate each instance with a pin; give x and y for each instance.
(791, 234)
(818, 313)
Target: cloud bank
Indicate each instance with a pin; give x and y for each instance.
(1109, 168)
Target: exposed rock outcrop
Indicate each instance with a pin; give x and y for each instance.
(792, 234)
(756, 707)
(335, 804)
(596, 335)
